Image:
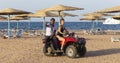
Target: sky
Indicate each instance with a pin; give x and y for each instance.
(34, 5)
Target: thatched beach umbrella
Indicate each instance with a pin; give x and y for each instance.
(3, 18)
(116, 17)
(92, 18)
(23, 15)
(60, 8)
(63, 14)
(43, 14)
(18, 18)
(110, 10)
(97, 14)
(11, 11)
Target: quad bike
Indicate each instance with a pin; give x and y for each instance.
(73, 47)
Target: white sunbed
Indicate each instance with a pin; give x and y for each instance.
(10, 34)
(115, 39)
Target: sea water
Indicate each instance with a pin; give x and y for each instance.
(68, 25)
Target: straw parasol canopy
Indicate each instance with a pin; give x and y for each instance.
(60, 8)
(92, 18)
(3, 18)
(97, 14)
(22, 15)
(42, 10)
(63, 8)
(67, 14)
(43, 14)
(11, 11)
(56, 14)
(110, 10)
(116, 16)
(17, 18)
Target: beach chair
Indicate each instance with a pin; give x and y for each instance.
(115, 39)
(42, 33)
(86, 31)
(19, 33)
(1, 34)
(37, 33)
(6, 35)
(99, 31)
(31, 32)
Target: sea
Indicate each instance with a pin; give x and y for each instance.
(68, 25)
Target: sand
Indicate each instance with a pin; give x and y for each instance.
(100, 49)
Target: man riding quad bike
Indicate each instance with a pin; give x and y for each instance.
(73, 46)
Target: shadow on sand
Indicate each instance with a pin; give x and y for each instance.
(102, 52)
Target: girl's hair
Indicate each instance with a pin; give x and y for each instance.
(61, 20)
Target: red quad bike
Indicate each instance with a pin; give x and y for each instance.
(73, 47)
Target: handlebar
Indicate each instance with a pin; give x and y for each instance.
(69, 34)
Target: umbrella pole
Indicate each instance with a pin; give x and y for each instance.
(43, 25)
(29, 24)
(59, 17)
(96, 23)
(8, 26)
(17, 24)
(92, 26)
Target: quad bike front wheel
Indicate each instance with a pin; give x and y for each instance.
(71, 51)
(82, 51)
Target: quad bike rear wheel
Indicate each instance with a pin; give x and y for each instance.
(48, 52)
(71, 51)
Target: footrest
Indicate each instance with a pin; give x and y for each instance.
(58, 51)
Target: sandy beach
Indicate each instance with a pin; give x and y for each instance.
(24, 22)
(100, 49)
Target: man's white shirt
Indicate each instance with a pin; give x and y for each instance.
(48, 31)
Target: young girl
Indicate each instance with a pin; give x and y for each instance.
(60, 32)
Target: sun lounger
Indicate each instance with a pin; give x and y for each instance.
(85, 31)
(97, 31)
(38, 33)
(19, 33)
(115, 39)
(89, 32)
(31, 32)
(1, 33)
(7, 35)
